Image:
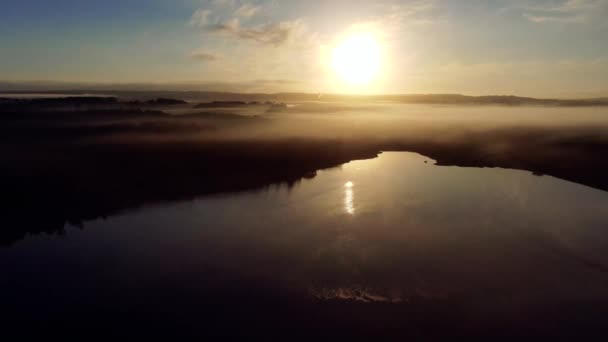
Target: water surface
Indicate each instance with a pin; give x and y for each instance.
(395, 230)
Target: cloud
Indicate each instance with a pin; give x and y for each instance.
(274, 34)
(417, 11)
(276, 82)
(205, 56)
(568, 11)
(393, 20)
(557, 19)
(200, 17)
(247, 11)
(225, 18)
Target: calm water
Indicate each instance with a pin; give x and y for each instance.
(395, 230)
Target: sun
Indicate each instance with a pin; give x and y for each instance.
(356, 59)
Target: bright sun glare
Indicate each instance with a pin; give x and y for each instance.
(356, 59)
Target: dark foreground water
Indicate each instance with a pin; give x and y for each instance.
(391, 247)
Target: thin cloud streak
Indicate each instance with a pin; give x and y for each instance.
(274, 34)
(247, 11)
(570, 11)
(205, 56)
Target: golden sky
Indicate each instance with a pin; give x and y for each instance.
(535, 48)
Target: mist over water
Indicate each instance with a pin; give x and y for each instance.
(390, 121)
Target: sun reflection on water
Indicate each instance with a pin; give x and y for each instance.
(349, 195)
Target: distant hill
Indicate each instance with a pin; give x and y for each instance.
(494, 100)
(214, 99)
(80, 103)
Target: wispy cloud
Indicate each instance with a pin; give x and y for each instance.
(247, 11)
(200, 17)
(274, 33)
(555, 18)
(205, 56)
(419, 12)
(236, 22)
(275, 82)
(566, 11)
(396, 18)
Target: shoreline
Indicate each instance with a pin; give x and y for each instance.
(76, 183)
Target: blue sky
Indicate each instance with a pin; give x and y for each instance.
(538, 48)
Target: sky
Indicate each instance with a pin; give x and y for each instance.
(542, 48)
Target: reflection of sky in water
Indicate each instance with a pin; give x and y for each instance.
(420, 231)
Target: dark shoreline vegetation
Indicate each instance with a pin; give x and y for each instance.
(75, 159)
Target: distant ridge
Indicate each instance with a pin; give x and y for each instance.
(209, 96)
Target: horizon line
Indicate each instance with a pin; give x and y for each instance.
(82, 87)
